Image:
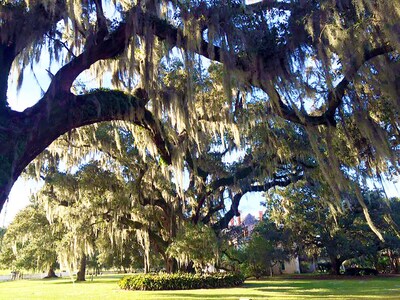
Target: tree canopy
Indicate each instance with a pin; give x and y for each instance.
(110, 188)
(293, 83)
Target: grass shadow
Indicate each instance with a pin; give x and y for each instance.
(208, 295)
(101, 280)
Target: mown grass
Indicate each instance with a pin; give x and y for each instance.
(105, 287)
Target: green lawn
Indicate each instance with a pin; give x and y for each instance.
(105, 288)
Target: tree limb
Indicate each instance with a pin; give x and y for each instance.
(31, 134)
(234, 210)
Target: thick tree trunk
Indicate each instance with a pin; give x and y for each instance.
(171, 265)
(188, 269)
(25, 135)
(51, 273)
(394, 262)
(396, 265)
(80, 276)
(336, 263)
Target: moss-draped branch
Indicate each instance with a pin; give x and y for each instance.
(30, 132)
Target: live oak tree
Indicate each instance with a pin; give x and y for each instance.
(116, 197)
(119, 191)
(86, 203)
(330, 67)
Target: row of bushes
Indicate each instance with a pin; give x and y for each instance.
(179, 281)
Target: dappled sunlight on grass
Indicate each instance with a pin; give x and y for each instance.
(105, 287)
(367, 288)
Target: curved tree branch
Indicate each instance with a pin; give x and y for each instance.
(35, 129)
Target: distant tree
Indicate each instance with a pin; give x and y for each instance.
(31, 242)
(127, 256)
(319, 228)
(268, 245)
(82, 201)
(256, 252)
(391, 247)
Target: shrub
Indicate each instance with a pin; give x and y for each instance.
(178, 281)
(305, 267)
(360, 271)
(324, 267)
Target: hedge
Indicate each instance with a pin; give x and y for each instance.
(360, 271)
(179, 281)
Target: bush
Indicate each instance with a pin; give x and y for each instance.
(360, 271)
(324, 267)
(254, 270)
(304, 267)
(178, 281)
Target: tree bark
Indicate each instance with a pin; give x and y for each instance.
(394, 262)
(336, 263)
(25, 135)
(171, 265)
(80, 276)
(51, 273)
(146, 267)
(6, 58)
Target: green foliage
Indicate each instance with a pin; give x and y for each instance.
(196, 243)
(255, 254)
(338, 235)
(126, 256)
(267, 246)
(30, 241)
(177, 281)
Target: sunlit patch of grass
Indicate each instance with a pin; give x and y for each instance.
(105, 287)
